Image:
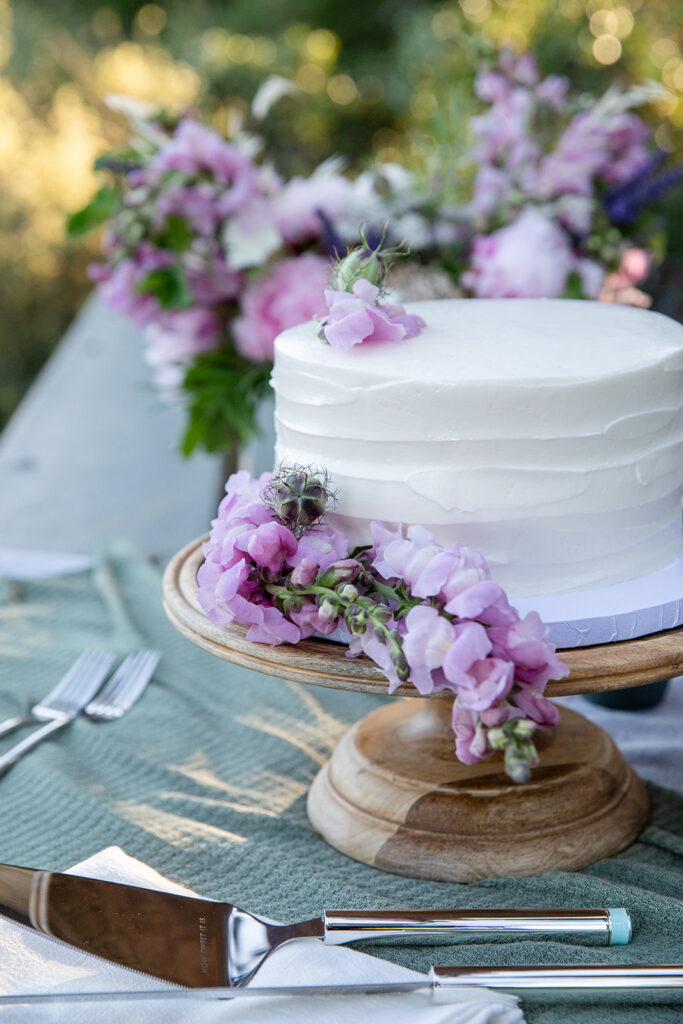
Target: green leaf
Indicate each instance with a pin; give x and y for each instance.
(169, 286)
(176, 235)
(224, 390)
(100, 208)
(574, 288)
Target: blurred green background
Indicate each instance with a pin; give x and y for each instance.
(382, 79)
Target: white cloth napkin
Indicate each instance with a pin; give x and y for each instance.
(30, 962)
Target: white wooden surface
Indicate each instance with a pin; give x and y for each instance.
(92, 453)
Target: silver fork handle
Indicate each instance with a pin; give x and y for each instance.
(594, 926)
(19, 749)
(10, 724)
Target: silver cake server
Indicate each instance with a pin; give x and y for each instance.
(201, 943)
(632, 983)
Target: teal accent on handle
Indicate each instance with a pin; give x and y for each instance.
(620, 926)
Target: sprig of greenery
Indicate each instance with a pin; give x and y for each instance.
(223, 391)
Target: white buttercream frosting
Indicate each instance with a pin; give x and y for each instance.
(549, 433)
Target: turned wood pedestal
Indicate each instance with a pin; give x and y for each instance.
(393, 793)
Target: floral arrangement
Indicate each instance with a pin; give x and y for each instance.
(357, 310)
(213, 253)
(425, 614)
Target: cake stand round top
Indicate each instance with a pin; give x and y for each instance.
(321, 662)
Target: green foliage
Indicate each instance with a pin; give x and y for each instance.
(574, 288)
(168, 285)
(223, 391)
(101, 207)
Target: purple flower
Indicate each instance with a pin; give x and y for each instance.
(310, 619)
(470, 736)
(426, 642)
(172, 343)
(367, 643)
(530, 258)
(197, 150)
(270, 545)
(358, 316)
(488, 682)
(118, 284)
(399, 557)
(274, 629)
(525, 643)
(322, 546)
(290, 294)
(553, 91)
(301, 202)
(535, 706)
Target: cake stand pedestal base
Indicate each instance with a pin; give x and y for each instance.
(393, 796)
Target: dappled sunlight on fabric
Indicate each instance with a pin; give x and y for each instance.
(267, 793)
(175, 829)
(317, 738)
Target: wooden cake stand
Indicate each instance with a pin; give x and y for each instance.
(393, 794)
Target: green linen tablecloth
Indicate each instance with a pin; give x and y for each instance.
(205, 779)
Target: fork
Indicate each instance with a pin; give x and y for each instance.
(125, 687)
(91, 664)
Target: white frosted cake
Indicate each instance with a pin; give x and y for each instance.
(548, 433)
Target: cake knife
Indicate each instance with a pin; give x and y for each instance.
(200, 943)
(632, 983)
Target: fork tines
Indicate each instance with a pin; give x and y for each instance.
(125, 686)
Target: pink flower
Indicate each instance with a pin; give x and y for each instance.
(357, 316)
(196, 149)
(470, 736)
(172, 343)
(118, 284)
(399, 557)
(488, 682)
(290, 294)
(525, 643)
(321, 546)
(302, 200)
(210, 279)
(553, 91)
(426, 642)
(535, 706)
(531, 258)
(269, 546)
(310, 620)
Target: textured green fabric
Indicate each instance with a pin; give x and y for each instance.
(205, 779)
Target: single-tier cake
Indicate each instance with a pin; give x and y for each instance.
(548, 433)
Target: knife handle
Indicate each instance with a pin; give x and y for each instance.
(591, 926)
(550, 983)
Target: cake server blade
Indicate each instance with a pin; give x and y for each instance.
(201, 943)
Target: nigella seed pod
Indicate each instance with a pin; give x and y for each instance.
(298, 497)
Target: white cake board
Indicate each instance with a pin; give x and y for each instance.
(579, 618)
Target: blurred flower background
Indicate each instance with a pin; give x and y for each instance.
(379, 81)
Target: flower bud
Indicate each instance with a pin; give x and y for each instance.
(356, 619)
(358, 263)
(498, 739)
(328, 611)
(304, 573)
(343, 571)
(348, 592)
(522, 728)
(517, 765)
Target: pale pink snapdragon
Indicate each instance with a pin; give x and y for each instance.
(358, 316)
